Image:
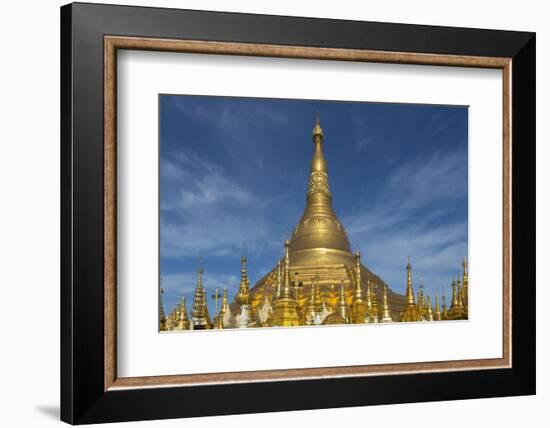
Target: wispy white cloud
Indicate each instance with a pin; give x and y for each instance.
(406, 224)
(243, 123)
(440, 177)
(210, 213)
(201, 182)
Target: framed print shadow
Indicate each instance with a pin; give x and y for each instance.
(272, 213)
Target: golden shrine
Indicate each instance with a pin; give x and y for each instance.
(318, 281)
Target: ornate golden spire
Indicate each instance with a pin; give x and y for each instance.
(368, 301)
(286, 282)
(319, 236)
(183, 320)
(465, 284)
(444, 307)
(170, 320)
(385, 314)
(410, 313)
(429, 310)
(358, 307)
(457, 311)
(277, 293)
(459, 292)
(420, 301)
(374, 302)
(162, 315)
(342, 307)
(312, 307)
(201, 318)
(437, 315)
(243, 295)
(284, 312)
(454, 300)
(224, 309)
(357, 292)
(410, 291)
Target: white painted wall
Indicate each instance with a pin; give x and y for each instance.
(29, 218)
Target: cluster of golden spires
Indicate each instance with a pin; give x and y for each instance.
(286, 308)
(318, 281)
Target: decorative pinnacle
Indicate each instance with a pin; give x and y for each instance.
(286, 283)
(317, 130)
(410, 291)
(199, 276)
(279, 279)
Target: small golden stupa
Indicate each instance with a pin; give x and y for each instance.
(200, 315)
(410, 312)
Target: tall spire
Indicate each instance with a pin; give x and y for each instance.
(171, 319)
(410, 313)
(465, 281)
(342, 307)
(319, 229)
(357, 292)
(358, 308)
(182, 319)
(162, 315)
(318, 182)
(313, 304)
(429, 310)
(243, 295)
(374, 302)
(284, 311)
(444, 305)
(200, 315)
(457, 311)
(385, 314)
(454, 301)
(277, 293)
(368, 301)
(437, 315)
(286, 292)
(224, 309)
(410, 291)
(459, 292)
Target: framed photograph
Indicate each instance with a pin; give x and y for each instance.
(266, 213)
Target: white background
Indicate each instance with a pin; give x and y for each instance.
(143, 352)
(29, 219)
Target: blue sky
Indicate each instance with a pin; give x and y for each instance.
(234, 172)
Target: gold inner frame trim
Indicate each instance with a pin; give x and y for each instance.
(113, 43)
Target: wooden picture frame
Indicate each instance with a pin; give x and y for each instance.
(91, 390)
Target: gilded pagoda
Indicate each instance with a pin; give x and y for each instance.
(317, 280)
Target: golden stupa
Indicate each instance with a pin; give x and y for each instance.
(320, 250)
